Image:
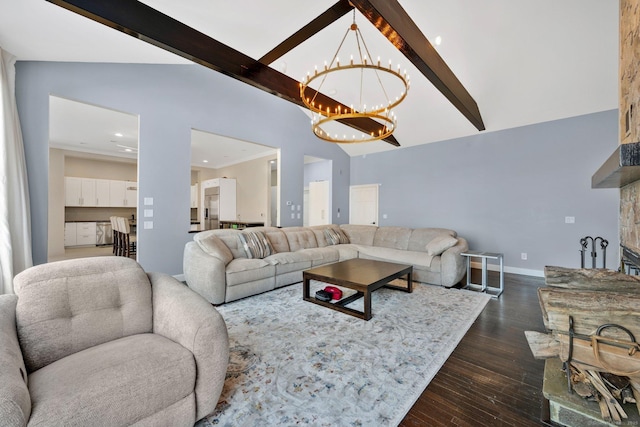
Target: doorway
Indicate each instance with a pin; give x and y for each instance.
(93, 154)
(317, 197)
(363, 204)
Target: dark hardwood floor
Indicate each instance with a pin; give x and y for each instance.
(491, 379)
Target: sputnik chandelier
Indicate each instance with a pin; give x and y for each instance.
(382, 121)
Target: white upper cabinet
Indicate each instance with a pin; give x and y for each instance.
(103, 196)
(131, 194)
(123, 194)
(117, 193)
(88, 192)
(79, 191)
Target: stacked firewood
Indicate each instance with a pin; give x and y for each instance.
(607, 389)
(592, 319)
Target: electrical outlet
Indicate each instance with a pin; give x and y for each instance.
(569, 219)
(523, 255)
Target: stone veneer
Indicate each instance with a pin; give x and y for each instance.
(629, 96)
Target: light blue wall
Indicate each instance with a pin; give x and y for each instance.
(317, 171)
(506, 191)
(170, 100)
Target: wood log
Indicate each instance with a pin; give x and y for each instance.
(590, 309)
(635, 387)
(612, 359)
(589, 278)
(615, 409)
(543, 346)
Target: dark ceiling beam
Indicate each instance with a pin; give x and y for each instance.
(327, 18)
(398, 27)
(145, 23)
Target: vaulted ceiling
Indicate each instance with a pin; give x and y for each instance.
(521, 62)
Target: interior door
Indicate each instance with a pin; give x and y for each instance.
(319, 213)
(363, 204)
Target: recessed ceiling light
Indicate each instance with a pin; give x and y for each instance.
(438, 40)
(119, 135)
(272, 161)
(128, 150)
(205, 161)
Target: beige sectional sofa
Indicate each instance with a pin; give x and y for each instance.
(220, 268)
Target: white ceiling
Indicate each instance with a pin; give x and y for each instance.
(523, 62)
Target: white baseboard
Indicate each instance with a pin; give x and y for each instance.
(180, 277)
(507, 269)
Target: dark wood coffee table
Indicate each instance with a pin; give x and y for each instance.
(361, 275)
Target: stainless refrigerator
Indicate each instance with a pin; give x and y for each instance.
(211, 208)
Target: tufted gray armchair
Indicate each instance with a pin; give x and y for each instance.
(97, 341)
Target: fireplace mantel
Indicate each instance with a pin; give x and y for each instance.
(620, 169)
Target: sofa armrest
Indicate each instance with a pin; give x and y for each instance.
(15, 403)
(188, 319)
(453, 266)
(204, 273)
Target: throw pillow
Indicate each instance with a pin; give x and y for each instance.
(255, 244)
(335, 236)
(441, 243)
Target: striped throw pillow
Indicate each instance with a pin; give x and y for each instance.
(335, 236)
(255, 244)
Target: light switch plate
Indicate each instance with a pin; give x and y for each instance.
(148, 201)
(148, 225)
(148, 213)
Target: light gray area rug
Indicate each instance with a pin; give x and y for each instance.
(297, 363)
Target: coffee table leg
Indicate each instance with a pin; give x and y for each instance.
(410, 282)
(367, 305)
(305, 288)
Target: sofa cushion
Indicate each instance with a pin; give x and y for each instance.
(230, 238)
(77, 304)
(15, 404)
(399, 256)
(300, 238)
(360, 234)
(335, 236)
(286, 262)
(440, 244)
(212, 245)
(392, 237)
(118, 383)
(421, 236)
(318, 231)
(243, 270)
(277, 238)
(321, 256)
(255, 244)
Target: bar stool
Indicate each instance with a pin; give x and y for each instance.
(116, 235)
(127, 241)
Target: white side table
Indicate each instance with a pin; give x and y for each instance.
(494, 291)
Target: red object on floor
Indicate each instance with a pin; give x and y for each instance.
(335, 292)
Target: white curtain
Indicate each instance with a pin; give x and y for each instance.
(15, 218)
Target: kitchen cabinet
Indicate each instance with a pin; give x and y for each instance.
(194, 196)
(123, 194)
(79, 233)
(79, 191)
(131, 194)
(103, 197)
(70, 230)
(89, 192)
